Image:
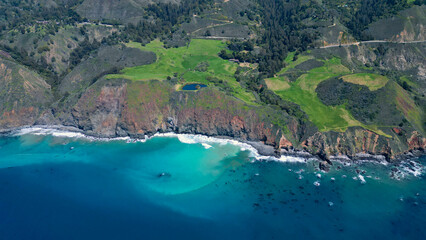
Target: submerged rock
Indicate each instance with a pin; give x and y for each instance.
(324, 166)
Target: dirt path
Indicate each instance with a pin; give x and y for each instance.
(214, 37)
(367, 42)
(212, 26)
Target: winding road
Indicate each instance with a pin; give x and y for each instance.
(367, 42)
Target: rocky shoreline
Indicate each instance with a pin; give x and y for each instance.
(265, 151)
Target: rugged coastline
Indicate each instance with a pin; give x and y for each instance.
(260, 150)
(120, 108)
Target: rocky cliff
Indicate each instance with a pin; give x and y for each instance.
(123, 108)
(23, 95)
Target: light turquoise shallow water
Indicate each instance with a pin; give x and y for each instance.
(75, 188)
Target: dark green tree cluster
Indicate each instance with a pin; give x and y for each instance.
(165, 18)
(365, 105)
(22, 56)
(83, 50)
(240, 56)
(145, 31)
(174, 14)
(19, 13)
(241, 50)
(284, 31)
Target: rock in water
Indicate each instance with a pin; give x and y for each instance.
(324, 166)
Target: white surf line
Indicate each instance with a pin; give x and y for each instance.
(194, 139)
(415, 169)
(58, 131)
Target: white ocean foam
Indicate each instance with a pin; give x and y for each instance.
(48, 131)
(206, 146)
(195, 139)
(362, 179)
(39, 131)
(57, 131)
(289, 159)
(413, 168)
(408, 168)
(186, 139)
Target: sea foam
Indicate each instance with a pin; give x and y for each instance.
(205, 141)
(57, 132)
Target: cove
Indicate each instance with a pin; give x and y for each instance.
(56, 187)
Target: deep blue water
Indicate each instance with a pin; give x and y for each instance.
(74, 188)
(192, 87)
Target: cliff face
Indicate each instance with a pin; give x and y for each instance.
(357, 140)
(23, 95)
(144, 108)
(124, 108)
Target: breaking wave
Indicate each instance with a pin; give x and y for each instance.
(205, 141)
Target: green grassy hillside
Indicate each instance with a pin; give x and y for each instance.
(302, 92)
(372, 81)
(23, 94)
(183, 63)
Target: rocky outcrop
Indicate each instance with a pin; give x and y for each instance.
(358, 140)
(416, 141)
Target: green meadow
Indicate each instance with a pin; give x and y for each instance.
(372, 81)
(407, 106)
(302, 92)
(183, 61)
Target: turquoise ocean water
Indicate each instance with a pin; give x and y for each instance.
(57, 187)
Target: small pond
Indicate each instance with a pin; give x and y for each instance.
(193, 86)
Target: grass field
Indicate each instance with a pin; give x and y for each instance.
(406, 105)
(332, 68)
(372, 81)
(277, 83)
(183, 61)
(302, 92)
(290, 64)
